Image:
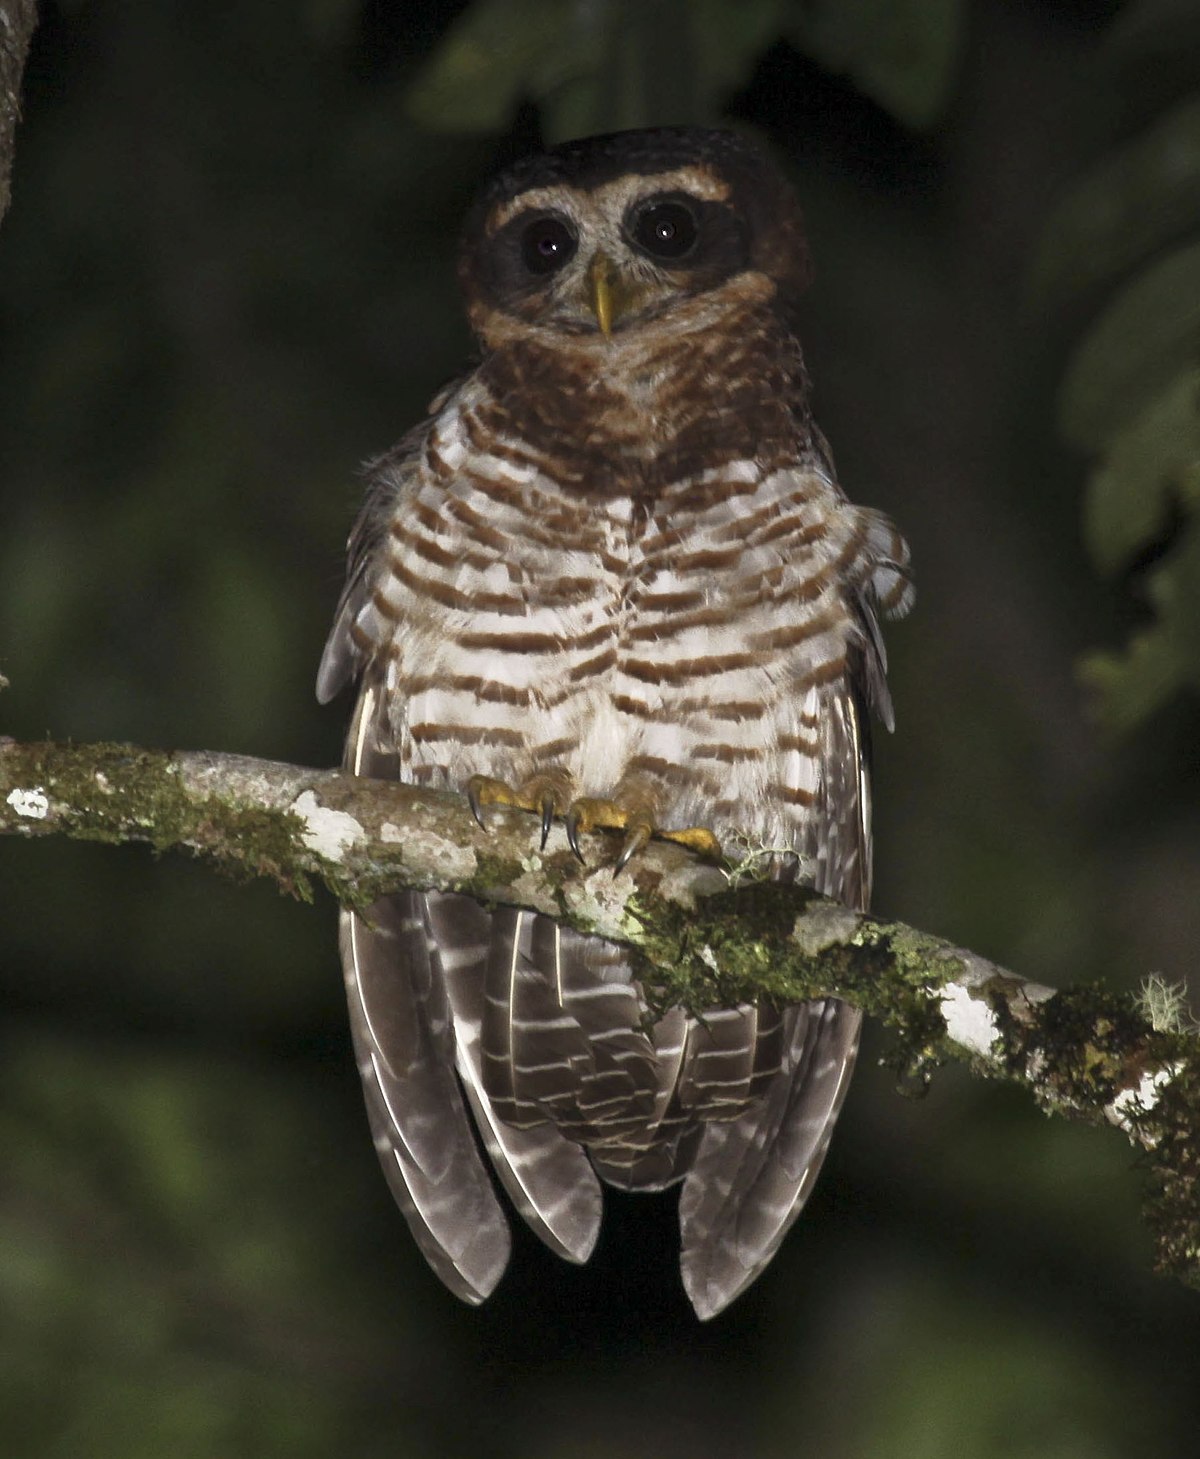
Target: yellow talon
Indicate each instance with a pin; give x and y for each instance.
(482, 790)
(545, 794)
(638, 824)
(585, 815)
(696, 838)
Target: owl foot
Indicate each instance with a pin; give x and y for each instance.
(546, 794)
(549, 795)
(637, 823)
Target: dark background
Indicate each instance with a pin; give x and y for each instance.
(226, 278)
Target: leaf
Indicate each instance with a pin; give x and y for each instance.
(495, 52)
(1127, 688)
(1163, 658)
(1132, 391)
(1154, 461)
(1175, 592)
(1138, 200)
(610, 64)
(902, 53)
(666, 62)
(727, 40)
(1142, 341)
(592, 67)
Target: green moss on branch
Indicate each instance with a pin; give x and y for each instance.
(700, 938)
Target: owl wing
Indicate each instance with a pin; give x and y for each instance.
(751, 1176)
(344, 658)
(423, 973)
(401, 1023)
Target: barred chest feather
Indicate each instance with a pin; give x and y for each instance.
(681, 640)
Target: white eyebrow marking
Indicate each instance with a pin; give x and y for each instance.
(565, 197)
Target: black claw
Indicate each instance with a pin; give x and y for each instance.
(573, 835)
(547, 819)
(476, 806)
(635, 838)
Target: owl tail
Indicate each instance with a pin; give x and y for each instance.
(751, 1176)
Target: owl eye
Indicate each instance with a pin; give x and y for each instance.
(546, 245)
(665, 230)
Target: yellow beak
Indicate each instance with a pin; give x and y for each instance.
(600, 280)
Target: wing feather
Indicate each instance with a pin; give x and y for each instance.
(400, 1021)
(751, 1176)
(414, 1105)
(387, 478)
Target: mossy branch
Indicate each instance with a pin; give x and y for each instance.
(702, 936)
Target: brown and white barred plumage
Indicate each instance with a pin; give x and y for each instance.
(624, 560)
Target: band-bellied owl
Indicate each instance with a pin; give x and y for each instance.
(613, 577)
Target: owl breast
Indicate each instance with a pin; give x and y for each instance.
(676, 637)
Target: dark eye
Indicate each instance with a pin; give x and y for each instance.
(546, 244)
(665, 230)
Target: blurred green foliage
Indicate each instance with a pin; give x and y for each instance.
(611, 64)
(227, 277)
(1126, 239)
(128, 1348)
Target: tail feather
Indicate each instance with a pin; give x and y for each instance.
(546, 1174)
(751, 1176)
(732, 1055)
(548, 1178)
(533, 1052)
(415, 1108)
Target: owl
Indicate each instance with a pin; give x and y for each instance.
(613, 579)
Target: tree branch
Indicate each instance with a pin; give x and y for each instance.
(17, 21)
(702, 935)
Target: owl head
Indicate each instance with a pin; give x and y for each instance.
(603, 236)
